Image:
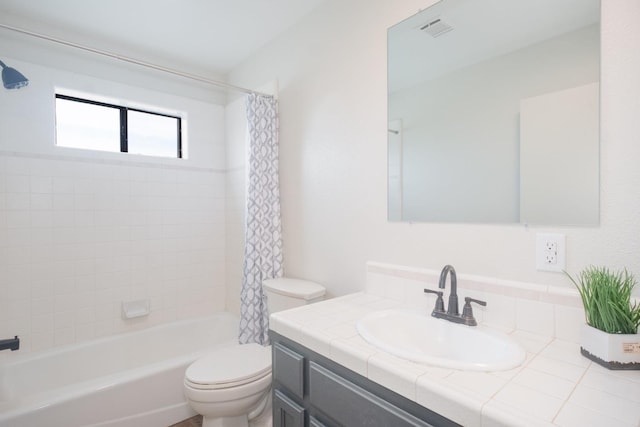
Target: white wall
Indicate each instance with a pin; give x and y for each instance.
(82, 231)
(333, 121)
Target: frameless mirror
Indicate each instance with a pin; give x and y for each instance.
(494, 113)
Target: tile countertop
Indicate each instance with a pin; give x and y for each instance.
(555, 386)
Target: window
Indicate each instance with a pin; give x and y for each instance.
(83, 123)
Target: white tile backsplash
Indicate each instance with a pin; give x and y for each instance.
(534, 316)
(539, 309)
(568, 322)
(79, 236)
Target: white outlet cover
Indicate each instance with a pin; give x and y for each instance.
(542, 242)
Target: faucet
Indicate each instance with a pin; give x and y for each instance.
(452, 307)
(453, 314)
(12, 344)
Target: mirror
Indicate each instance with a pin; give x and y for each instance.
(493, 111)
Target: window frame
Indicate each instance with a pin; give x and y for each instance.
(124, 145)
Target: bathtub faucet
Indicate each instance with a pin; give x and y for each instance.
(12, 344)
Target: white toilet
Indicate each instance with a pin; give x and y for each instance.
(231, 386)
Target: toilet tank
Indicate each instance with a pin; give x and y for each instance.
(284, 293)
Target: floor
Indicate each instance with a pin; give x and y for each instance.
(263, 420)
(191, 422)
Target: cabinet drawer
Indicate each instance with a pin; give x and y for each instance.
(289, 369)
(351, 405)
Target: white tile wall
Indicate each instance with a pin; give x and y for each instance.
(235, 214)
(79, 237)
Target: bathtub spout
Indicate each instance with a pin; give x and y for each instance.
(12, 344)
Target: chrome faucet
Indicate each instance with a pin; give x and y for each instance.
(453, 314)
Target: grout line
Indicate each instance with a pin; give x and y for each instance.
(113, 162)
(577, 382)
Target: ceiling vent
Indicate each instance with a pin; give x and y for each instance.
(436, 28)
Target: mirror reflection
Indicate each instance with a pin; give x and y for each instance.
(494, 113)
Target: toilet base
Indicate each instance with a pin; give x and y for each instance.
(240, 421)
(259, 417)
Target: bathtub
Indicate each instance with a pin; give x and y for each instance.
(128, 380)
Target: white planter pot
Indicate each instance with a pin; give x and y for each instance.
(613, 351)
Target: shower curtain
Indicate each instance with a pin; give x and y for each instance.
(263, 238)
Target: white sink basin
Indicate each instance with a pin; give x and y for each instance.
(424, 339)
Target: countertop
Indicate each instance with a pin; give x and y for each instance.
(555, 386)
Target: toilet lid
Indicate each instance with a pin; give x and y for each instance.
(230, 366)
(295, 288)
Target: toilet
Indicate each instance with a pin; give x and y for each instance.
(231, 386)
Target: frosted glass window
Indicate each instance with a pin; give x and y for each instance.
(84, 125)
(152, 134)
(94, 125)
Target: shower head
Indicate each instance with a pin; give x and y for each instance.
(12, 78)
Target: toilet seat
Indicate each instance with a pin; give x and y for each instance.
(230, 367)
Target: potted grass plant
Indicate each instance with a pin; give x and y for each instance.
(610, 335)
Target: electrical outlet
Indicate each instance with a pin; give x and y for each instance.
(551, 258)
(550, 252)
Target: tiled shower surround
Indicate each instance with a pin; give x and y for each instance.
(78, 237)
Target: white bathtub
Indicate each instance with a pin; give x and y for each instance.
(128, 380)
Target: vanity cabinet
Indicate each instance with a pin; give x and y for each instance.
(310, 390)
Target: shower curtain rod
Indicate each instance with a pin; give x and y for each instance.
(135, 61)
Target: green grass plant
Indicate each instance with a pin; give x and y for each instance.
(606, 297)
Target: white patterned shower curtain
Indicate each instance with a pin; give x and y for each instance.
(263, 231)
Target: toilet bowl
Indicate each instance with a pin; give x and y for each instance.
(230, 386)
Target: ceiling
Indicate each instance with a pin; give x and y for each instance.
(211, 36)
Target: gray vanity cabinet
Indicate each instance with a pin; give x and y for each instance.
(310, 390)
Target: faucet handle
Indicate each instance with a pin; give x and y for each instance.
(468, 300)
(439, 302)
(467, 311)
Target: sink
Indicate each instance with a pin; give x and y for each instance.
(418, 337)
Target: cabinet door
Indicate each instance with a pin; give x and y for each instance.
(288, 367)
(313, 422)
(286, 412)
